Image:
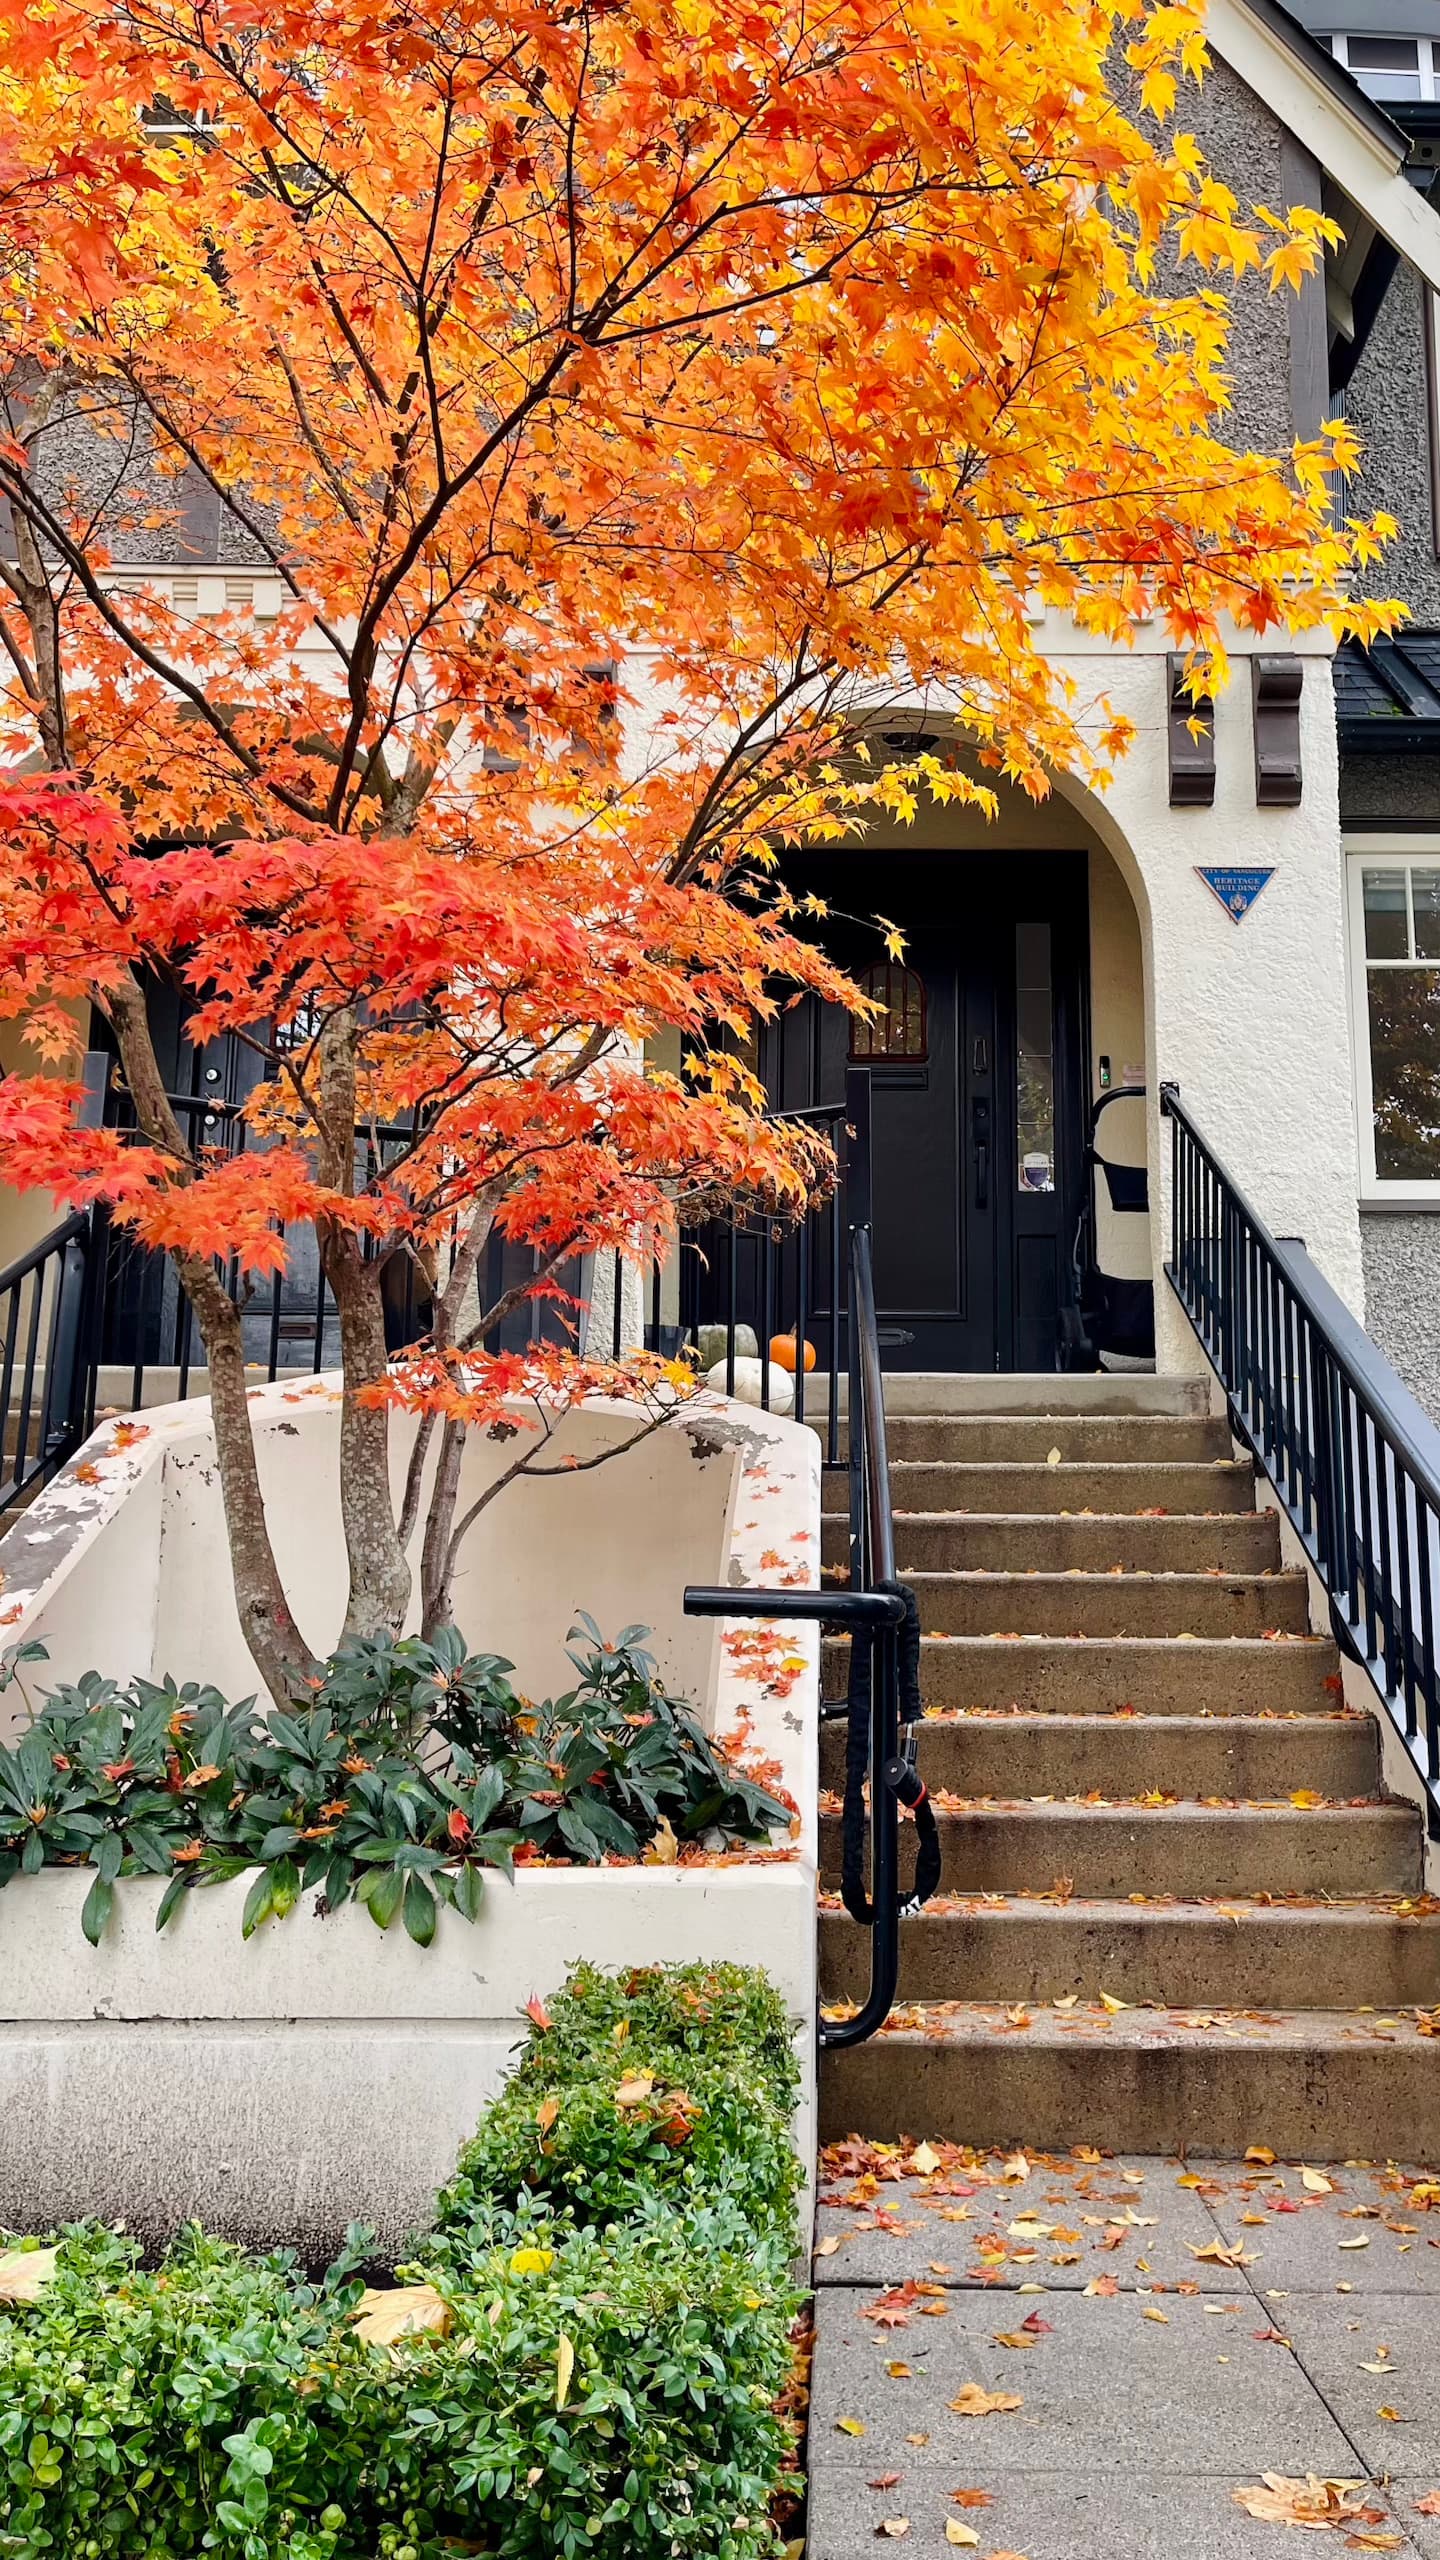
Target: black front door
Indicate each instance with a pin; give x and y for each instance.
(978, 1095)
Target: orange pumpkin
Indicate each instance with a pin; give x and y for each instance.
(782, 1352)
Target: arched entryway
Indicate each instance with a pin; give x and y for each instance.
(1019, 1000)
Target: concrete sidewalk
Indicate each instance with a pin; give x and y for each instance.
(1189, 2330)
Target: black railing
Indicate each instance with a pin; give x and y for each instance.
(765, 1275)
(48, 1301)
(872, 1608)
(1354, 1460)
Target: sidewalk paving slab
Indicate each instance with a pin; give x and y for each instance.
(1424, 2531)
(1364, 2235)
(1080, 2516)
(1079, 2206)
(1107, 2391)
(1336, 2340)
(1142, 2408)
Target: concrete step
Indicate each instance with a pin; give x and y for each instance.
(1124, 1755)
(1313, 2085)
(1107, 1851)
(1038, 1391)
(1156, 1675)
(1227, 1484)
(1238, 1954)
(1111, 1604)
(1071, 1542)
(980, 1439)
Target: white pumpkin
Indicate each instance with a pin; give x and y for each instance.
(747, 1387)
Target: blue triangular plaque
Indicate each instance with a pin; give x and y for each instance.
(1237, 890)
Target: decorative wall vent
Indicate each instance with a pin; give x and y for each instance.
(1192, 758)
(1277, 683)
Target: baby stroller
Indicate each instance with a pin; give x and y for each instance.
(1110, 1322)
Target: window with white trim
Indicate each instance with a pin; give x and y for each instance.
(1394, 891)
(1393, 67)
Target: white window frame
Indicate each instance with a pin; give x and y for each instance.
(1427, 64)
(1417, 847)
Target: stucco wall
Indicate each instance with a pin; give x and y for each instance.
(1402, 1296)
(1245, 145)
(1249, 1019)
(1388, 405)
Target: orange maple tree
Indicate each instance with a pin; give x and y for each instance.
(627, 403)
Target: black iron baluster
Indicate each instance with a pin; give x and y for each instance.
(1405, 1568)
(273, 1363)
(27, 1374)
(1427, 1536)
(731, 1260)
(767, 1309)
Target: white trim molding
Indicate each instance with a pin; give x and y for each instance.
(1405, 851)
(1349, 142)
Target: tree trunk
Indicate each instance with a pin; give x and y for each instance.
(437, 1606)
(282, 1658)
(380, 1576)
(281, 1655)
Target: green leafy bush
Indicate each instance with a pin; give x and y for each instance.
(668, 2009)
(608, 2380)
(417, 1769)
(624, 2126)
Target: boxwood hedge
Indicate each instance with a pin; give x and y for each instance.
(614, 2263)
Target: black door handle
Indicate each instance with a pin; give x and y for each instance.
(980, 1135)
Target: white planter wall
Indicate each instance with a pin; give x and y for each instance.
(324, 2072)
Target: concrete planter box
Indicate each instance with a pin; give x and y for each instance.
(324, 2072)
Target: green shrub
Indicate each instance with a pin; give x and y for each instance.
(417, 1769)
(669, 2009)
(622, 2130)
(142, 2413)
(620, 2318)
(661, 2438)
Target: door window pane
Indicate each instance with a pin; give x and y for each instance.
(1034, 1060)
(899, 1029)
(1387, 930)
(1404, 1007)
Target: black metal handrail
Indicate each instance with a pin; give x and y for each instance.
(47, 1372)
(872, 1609)
(1354, 1460)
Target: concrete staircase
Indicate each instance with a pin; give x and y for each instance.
(1177, 1910)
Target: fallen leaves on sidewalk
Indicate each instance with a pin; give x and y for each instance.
(1318, 2506)
(1222, 2253)
(893, 2310)
(973, 2401)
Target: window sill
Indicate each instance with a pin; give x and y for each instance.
(1400, 1204)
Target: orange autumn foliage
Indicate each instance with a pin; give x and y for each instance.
(625, 404)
